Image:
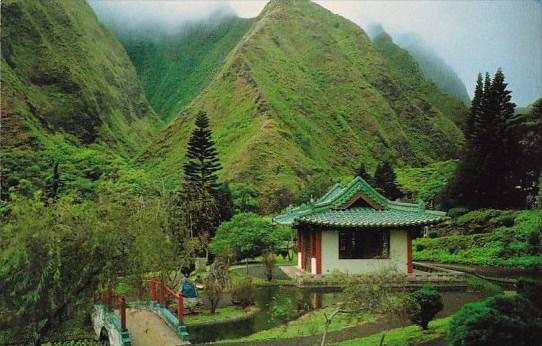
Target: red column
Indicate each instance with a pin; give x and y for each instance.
(310, 254)
(161, 294)
(410, 266)
(318, 255)
(153, 290)
(109, 298)
(123, 313)
(301, 238)
(180, 308)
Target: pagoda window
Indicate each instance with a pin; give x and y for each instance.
(364, 244)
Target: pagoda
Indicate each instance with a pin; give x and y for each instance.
(355, 229)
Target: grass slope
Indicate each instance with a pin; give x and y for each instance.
(425, 182)
(412, 335)
(64, 73)
(311, 323)
(307, 92)
(175, 68)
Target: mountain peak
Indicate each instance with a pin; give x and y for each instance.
(306, 92)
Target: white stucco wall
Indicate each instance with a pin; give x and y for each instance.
(331, 261)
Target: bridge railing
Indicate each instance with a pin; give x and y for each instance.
(107, 325)
(162, 290)
(109, 298)
(158, 292)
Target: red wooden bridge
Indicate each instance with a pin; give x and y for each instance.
(141, 322)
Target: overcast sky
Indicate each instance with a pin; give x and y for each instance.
(471, 36)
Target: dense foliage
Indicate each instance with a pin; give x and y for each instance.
(425, 182)
(425, 303)
(82, 171)
(487, 237)
(500, 321)
(244, 198)
(248, 235)
(54, 256)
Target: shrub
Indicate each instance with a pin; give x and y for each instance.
(531, 290)
(534, 243)
(480, 216)
(269, 260)
(457, 212)
(283, 311)
(500, 321)
(248, 235)
(213, 291)
(507, 219)
(425, 302)
(381, 292)
(217, 282)
(244, 292)
(478, 284)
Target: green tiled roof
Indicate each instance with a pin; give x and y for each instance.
(330, 209)
(367, 217)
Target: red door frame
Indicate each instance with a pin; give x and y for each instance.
(309, 244)
(318, 254)
(410, 265)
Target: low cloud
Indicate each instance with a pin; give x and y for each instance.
(471, 36)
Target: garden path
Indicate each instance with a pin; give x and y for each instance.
(148, 329)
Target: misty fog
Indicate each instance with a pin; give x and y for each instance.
(472, 37)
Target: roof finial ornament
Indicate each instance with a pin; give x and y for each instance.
(421, 204)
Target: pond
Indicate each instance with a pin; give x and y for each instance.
(280, 304)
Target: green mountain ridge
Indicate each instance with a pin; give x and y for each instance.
(306, 92)
(175, 68)
(63, 73)
(411, 74)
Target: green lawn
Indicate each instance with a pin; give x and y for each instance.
(225, 313)
(411, 335)
(311, 323)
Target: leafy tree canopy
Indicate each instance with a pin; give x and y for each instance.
(248, 235)
(56, 255)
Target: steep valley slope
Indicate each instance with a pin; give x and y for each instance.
(63, 73)
(175, 67)
(306, 92)
(73, 109)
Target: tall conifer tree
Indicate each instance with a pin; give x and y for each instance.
(202, 158)
(485, 174)
(198, 204)
(362, 173)
(475, 113)
(386, 181)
